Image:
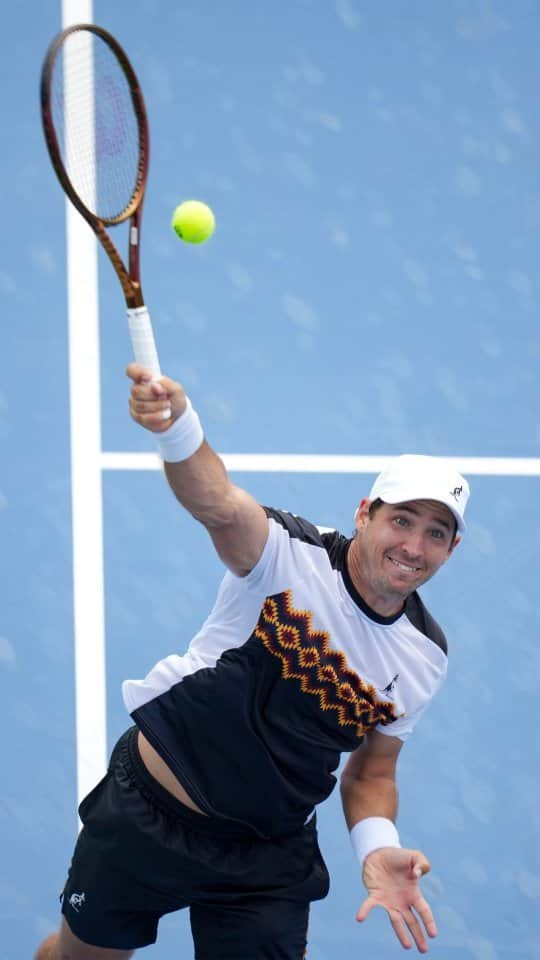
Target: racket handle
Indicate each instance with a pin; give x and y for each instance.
(144, 345)
(142, 340)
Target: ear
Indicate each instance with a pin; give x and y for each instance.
(361, 516)
(457, 540)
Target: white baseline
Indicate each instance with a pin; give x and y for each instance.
(328, 463)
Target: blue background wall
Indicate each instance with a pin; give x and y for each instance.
(371, 288)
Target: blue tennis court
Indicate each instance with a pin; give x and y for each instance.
(371, 289)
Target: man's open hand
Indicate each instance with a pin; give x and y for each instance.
(391, 877)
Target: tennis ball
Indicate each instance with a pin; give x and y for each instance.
(193, 221)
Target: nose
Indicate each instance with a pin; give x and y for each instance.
(413, 545)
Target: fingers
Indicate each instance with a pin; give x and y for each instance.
(147, 412)
(401, 922)
(154, 404)
(405, 923)
(150, 404)
(366, 908)
(424, 912)
(145, 391)
(137, 373)
(420, 865)
(142, 375)
(400, 929)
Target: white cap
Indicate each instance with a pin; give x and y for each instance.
(412, 477)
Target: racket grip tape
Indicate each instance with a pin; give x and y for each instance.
(144, 344)
(142, 340)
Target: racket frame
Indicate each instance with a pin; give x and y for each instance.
(129, 277)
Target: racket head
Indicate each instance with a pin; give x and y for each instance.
(95, 124)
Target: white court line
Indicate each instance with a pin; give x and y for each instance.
(86, 480)
(329, 463)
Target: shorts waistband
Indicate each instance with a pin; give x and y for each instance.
(130, 756)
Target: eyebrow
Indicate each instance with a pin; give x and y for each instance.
(406, 508)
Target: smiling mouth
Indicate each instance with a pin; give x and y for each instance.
(404, 566)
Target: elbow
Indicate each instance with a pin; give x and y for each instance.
(361, 782)
(348, 784)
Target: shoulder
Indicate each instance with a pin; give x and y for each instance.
(421, 618)
(294, 547)
(298, 528)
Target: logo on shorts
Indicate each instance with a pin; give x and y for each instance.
(76, 901)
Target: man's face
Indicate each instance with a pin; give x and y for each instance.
(399, 548)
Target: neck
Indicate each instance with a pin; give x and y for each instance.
(383, 601)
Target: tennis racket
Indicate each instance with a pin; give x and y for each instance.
(95, 126)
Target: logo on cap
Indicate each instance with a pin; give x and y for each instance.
(456, 493)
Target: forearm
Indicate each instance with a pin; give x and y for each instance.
(196, 474)
(237, 524)
(364, 797)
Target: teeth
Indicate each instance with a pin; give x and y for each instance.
(403, 566)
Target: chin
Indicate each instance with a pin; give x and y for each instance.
(405, 587)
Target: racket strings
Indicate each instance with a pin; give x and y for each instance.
(96, 125)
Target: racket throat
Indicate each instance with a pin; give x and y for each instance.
(134, 273)
(134, 298)
(130, 282)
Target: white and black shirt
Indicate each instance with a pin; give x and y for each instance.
(290, 669)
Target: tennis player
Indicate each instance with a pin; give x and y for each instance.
(317, 644)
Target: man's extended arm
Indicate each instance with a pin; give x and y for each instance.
(390, 873)
(235, 521)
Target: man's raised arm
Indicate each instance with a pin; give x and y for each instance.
(196, 474)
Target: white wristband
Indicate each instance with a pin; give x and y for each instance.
(182, 438)
(371, 834)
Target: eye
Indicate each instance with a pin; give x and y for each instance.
(437, 534)
(401, 521)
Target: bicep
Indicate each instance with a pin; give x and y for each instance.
(376, 757)
(241, 539)
(235, 521)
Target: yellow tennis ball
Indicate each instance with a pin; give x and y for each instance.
(193, 221)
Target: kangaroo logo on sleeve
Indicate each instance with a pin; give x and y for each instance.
(76, 901)
(389, 689)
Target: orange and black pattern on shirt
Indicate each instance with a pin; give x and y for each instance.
(306, 656)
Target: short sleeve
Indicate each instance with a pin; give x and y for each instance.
(283, 556)
(404, 726)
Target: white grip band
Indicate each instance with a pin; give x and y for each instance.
(372, 834)
(182, 438)
(142, 340)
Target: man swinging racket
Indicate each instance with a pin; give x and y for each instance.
(317, 644)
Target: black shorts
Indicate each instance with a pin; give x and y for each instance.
(142, 854)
